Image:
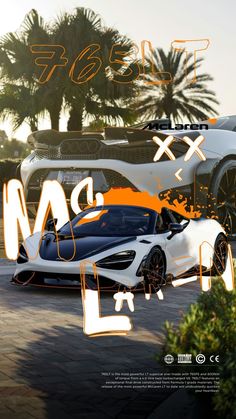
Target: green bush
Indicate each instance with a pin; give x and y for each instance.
(209, 327)
(225, 402)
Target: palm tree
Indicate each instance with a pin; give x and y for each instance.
(99, 97)
(16, 60)
(21, 104)
(179, 98)
(21, 97)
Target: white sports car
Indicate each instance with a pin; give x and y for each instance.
(124, 157)
(129, 245)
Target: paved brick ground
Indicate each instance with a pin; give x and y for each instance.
(50, 369)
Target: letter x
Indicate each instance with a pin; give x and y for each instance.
(163, 147)
(194, 147)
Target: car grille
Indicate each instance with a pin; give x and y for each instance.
(133, 155)
(139, 152)
(113, 179)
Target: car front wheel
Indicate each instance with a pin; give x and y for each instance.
(223, 192)
(154, 271)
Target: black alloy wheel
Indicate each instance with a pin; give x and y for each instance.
(220, 255)
(224, 191)
(154, 270)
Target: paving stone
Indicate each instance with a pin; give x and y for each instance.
(50, 369)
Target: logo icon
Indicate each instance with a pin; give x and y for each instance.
(212, 120)
(169, 359)
(200, 358)
(214, 358)
(184, 358)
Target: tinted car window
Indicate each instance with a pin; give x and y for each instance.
(112, 221)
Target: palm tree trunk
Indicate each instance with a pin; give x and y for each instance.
(167, 115)
(54, 109)
(54, 117)
(75, 121)
(33, 124)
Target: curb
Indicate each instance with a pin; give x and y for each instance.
(6, 262)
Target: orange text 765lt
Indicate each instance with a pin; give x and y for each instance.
(123, 66)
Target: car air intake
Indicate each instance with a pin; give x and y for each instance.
(77, 147)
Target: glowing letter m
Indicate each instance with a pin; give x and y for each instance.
(15, 212)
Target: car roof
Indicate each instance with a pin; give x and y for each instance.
(100, 207)
(227, 123)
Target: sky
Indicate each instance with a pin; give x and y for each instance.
(157, 21)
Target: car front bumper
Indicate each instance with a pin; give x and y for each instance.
(60, 272)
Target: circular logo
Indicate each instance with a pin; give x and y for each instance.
(169, 359)
(200, 358)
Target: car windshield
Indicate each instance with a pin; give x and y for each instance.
(111, 221)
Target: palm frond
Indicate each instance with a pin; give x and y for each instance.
(180, 98)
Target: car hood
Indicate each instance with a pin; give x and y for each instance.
(80, 248)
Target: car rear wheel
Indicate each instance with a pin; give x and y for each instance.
(223, 190)
(154, 270)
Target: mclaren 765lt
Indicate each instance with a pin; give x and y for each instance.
(130, 246)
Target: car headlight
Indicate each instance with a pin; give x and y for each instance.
(22, 256)
(119, 261)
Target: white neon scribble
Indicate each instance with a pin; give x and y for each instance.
(163, 147)
(194, 147)
(206, 283)
(94, 324)
(177, 175)
(88, 182)
(227, 275)
(52, 197)
(160, 295)
(120, 297)
(14, 217)
(183, 281)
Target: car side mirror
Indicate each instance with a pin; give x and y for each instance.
(174, 228)
(51, 223)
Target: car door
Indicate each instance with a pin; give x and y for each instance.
(179, 254)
